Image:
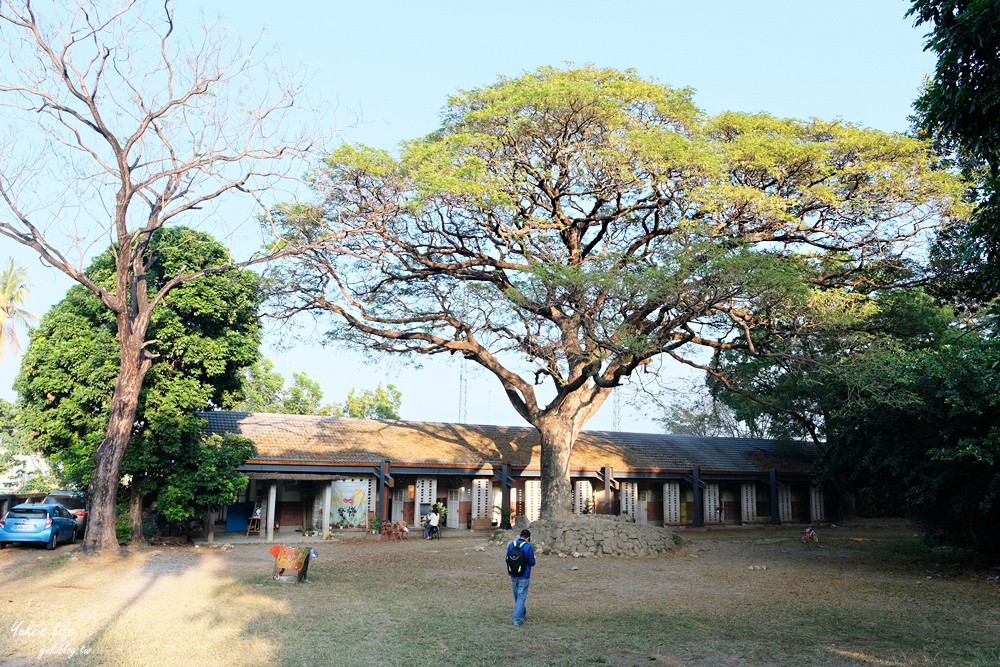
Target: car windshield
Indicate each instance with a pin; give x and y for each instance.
(27, 514)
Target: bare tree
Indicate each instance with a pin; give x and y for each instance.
(119, 123)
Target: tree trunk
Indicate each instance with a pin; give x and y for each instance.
(103, 490)
(558, 436)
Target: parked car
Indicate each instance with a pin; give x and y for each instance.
(75, 502)
(30, 522)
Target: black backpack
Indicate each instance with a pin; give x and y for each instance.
(517, 561)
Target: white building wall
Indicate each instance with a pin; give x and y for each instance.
(629, 492)
(748, 504)
(533, 499)
(671, 503)
(426, 491)
(784, 503)
(713, 503)
(482, 498)
(816, 510)
(583, 496)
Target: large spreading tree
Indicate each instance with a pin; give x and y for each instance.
(205, 334)
(119, 122)
(564, 228)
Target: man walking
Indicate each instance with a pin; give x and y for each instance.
(520, 559)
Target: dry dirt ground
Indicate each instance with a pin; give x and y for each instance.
(867, 594)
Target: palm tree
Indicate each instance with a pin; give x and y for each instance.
(13, 292)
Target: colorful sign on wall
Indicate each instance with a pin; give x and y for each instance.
(349, 503)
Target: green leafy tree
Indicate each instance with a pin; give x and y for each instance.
(379, 403)
(960, 107)
(304, 397)
(136, 122)
(564, 228)
(13, 293)
(205, 481)
(262, 388)
(264, 391)
(901, 399)
(205, 333)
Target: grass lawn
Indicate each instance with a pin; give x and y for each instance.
(866, 595)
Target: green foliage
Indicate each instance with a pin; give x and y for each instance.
(588, 219)
(203, 334)
(264, 391)
(565, 227)
(12, 440)
(206, 480)
(123, 529)
(379, 403)
(903, 404)
(960, 107)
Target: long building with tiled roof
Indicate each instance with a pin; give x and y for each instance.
(313, 473)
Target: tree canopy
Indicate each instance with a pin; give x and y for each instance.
(204, 335)
(565, 227)
(961, 106)
(379, 403)
(264, 391)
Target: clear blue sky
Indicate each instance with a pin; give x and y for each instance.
(384, 70)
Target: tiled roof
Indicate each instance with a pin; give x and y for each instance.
(312, 439)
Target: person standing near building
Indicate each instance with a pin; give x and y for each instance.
(520, 559)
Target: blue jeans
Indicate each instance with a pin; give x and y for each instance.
(519, 585)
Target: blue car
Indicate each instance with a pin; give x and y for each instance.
(29, 522)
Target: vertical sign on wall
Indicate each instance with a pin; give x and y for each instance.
(671, 503)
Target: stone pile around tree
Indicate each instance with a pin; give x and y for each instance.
(594, 535)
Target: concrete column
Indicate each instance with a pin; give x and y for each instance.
(272, 504)
(327, 498)
(698, 520)
(210, 527)
(775, 511)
